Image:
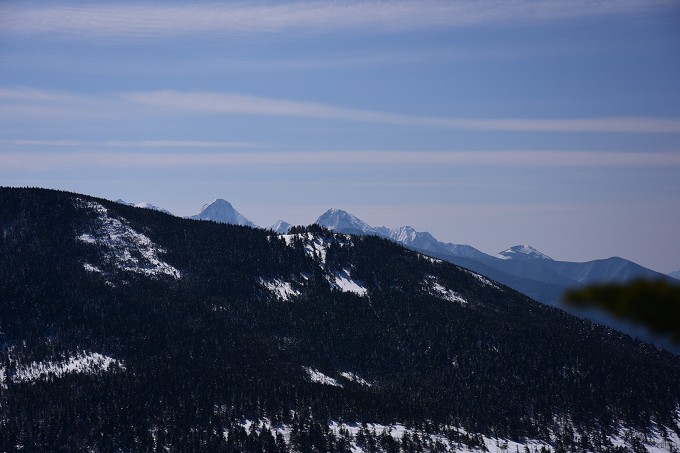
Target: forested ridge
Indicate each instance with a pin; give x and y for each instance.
(192, 356)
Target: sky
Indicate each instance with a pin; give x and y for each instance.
(491, 123)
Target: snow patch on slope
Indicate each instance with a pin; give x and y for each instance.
(440, 291)
(122, 246)
(320, 378)
(85, 363)
(283, 290)
(90, 268)
(430, 259)
(343, 281)
(355, 378)
(316, 247)
(457, 440)
(482, 279)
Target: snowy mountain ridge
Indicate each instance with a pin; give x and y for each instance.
(522, 252)
(147, 205)
(344, 222)
(144, 205)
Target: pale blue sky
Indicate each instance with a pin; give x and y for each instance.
(550, 123)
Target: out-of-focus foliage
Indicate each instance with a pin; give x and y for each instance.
(653, 304)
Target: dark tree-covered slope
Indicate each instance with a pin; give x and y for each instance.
(126, 328)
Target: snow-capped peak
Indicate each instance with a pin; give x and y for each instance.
(222, 211)
(404, 234)
(343, 221)
(146, 205)
(280, 227)
(522, 252)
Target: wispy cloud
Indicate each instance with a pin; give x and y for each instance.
(180, 144)
(31, 161)
(130, 21)
(40, 143)
(27, 94)
(202, 102)
(165, 144)
(31, 104)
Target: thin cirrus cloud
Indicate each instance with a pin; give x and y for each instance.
(220, 144)
(55, 106)
(41, 161)
(180, 144)
(27, 103)
(131, 21)
(229, 103)
(40, 143)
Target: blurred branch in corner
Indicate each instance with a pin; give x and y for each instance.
(654, 304)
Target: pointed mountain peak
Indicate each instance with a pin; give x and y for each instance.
(222, 211)
(522, 252)
(217, 203)
(280, 227)
(344, 222)
(404, 234)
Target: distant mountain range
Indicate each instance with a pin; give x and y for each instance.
(520, 261)
(521, 267)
